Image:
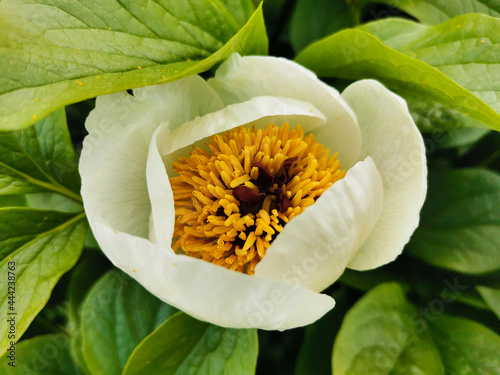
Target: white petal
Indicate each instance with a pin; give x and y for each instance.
(160, 193)
(209, 292)
(182, 101)
(241, 78)
(391, 138)
(113, 163)
(109, 125)
(259, 112)
(113, 160)
(316, 246)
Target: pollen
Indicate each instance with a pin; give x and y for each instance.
(233, 198)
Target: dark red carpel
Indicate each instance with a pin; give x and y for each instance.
(250, 200)
(285, 167)
(282, 200)
(265, 179)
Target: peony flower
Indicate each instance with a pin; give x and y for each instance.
(239, 199)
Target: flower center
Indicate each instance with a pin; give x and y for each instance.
(232, 201)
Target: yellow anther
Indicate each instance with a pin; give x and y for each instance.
(250, 241)
(234, 230)
(240, 180)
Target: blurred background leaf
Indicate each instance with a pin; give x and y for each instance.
(42, 355)
(117, 314)
(434, 11)
(355, 54)
(312, 19)
(39, 158)
(184, 345)
(460, 222)
(385, 333)
(43, 245)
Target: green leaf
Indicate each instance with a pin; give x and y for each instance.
(275, 12)
(56, 53)
(428, 115)
(77, 352)
(356, 54)
(19, 225)
(466, 347)
(462, 137)
(53, 201)
(431, 116)
(366, 280)
(39, 158)
(449, 128)
(42, 355)
(116, 316)
(38, 247)
(184, 345)
(394, 32)
(424, 281)
(492, 298)
(465, 49)
(91, 242)
(378, 337)
(385, 334)
(437, 11)
(91, 266)
(460, 222)
(314, 19)
(12, 200)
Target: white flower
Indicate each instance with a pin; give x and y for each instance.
(362, 221)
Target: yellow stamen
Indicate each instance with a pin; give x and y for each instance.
(214, 225)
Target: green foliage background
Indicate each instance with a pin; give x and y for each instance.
(435, 310)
